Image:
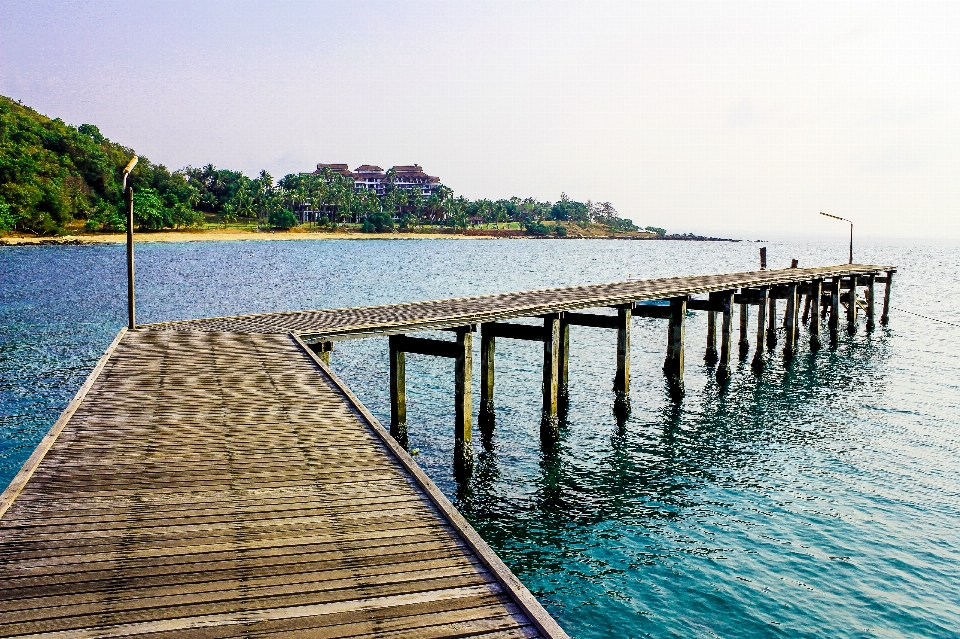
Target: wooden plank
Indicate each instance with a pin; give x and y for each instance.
(177, 502)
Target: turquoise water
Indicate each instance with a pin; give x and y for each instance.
(819, 500)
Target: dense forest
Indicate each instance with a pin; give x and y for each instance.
(53, 174)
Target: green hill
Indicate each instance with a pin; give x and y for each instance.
(52, 174)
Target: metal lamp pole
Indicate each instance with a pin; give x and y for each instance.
(128, 192)
(843, 219)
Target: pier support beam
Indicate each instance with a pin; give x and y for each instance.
(488, 344)
(790, 323)
(398, 392)
(563, 374)
(463, 403)
(852, 307)
(814, 300)
(726, 335)
(744, 330)
(885, 317)
(710, 357)
(621, 382)
(758, 360)
(549, 425)
(834, 322)
(673, 365)
(871, 293)
(771, 321)
(323, 350)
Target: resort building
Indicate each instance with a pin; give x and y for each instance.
(368, 176)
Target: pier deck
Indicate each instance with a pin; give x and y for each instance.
(389, 319)
(221, 485)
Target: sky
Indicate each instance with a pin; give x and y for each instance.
(732, 118)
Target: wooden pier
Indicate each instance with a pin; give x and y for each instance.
(225, 485)
(213, 478)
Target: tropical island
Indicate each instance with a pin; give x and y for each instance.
(58, 180)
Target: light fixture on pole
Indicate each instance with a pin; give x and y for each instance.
(843, 219)
(128, 192)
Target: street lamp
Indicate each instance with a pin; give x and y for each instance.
(843, 219)
(128, 192)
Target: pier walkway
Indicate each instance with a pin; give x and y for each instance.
(213, 478)
(224, 485)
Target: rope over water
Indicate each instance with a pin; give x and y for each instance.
(932, 319)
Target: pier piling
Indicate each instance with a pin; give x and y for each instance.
(726, 334)
(885, 317)
(398, 391)
(834, 322)
(871, 293)
(488, 345)
(621, 382)
(744, 330)
(551, 380)
(710, 356)
(790, 323)
(852, 306)
(771, 321)
(815, 299)
(463, 402)
(758, 360)
(673, 365)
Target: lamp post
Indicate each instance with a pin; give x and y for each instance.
(843, 219)
(128, 192)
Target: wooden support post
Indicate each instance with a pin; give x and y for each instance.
(487, 350)
(806, 308)
(771, 321)
(726, 336)
(852, 307)
(744, 330)
(549, 426)
(563, 373)
(790, 323)
(885, 316)
(398, 391)
(871, 293)
(834, 322)
(322, 349)
(673, 365)
(463, 399)
(758, 361)
(621, 383)
(814, 298)
(710, 357)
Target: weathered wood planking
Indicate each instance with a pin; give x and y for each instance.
(401, 318)
(223, 485)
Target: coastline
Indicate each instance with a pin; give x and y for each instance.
(235, 235)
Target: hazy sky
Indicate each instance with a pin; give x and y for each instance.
(745, 117)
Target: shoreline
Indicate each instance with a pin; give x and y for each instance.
(235, 235)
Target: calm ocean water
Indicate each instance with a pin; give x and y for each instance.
(821, 500)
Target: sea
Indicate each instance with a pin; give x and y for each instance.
(815, 499)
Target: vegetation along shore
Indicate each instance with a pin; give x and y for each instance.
(57, 180)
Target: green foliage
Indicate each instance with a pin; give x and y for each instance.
(560, 231)
(368, 227)
(282, 219)
(620, 224)
(656, 229)
(381, 221)
(537, 228)
(6, 219)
